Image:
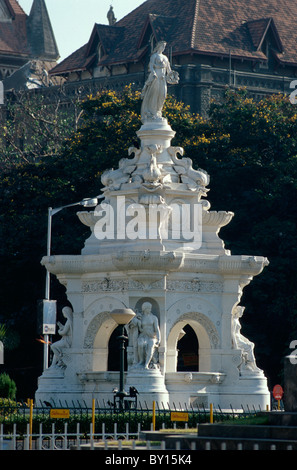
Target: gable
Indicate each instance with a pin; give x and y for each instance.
(260, 29)
(157, 26)
(107, 36)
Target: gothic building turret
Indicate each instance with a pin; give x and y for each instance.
(25, 39)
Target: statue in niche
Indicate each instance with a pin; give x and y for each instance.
(66, 332)
(144, 338)
(239, 341)
(155, 88)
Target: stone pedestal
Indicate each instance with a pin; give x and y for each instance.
(150, 386)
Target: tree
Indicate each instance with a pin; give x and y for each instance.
(35, 124)
(7, 387)
(250, 150)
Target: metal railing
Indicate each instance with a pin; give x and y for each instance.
(61, 440)
(30, 426)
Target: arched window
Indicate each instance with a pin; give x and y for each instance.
(188, 351)
(114, 351)
(100, 52)
(152, 42)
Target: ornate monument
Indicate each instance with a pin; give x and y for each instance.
(154, 247)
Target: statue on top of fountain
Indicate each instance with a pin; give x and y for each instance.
(154, 92)
(156, 165)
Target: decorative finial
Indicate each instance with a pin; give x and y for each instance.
(111, 17)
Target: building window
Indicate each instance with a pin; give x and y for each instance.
(266, 51)
(100, 55)
(152, 42)
(100, 52)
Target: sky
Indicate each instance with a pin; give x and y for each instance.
(73, 20)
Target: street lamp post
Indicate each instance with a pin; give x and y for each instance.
(122, 317)
(88, 202)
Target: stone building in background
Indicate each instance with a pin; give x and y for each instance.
(211, 43)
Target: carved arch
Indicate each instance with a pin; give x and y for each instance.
(199, 322)
(198, 313)
(207, 337)
(99, 331)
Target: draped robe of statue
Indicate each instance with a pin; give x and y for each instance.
(155, 89)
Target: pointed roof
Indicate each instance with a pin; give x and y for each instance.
(108, 36)
(40, 33)
(206, 27)
(13, 37)
(77, 61)
(26, 36)
(160, 26)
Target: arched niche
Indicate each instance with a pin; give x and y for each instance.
(187, 351)
(207, 337)
(113, 360)
(99, 331)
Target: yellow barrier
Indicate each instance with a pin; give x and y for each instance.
(211, 413)
(179, 416)
(154, 415)
(59, 413)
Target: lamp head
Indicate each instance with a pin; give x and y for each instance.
(122, 316)
(89, 202)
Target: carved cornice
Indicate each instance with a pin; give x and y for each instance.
(147, 260)
(195, 285)
(161, 262)
(110, 285)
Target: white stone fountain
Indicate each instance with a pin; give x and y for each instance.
(154, 247)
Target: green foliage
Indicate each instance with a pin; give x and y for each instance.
(7, 387)
(9, 338)
(2, 332)
(35, 125)
(254, 174)
(144, 419)
(108, 127)
(8, 404)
